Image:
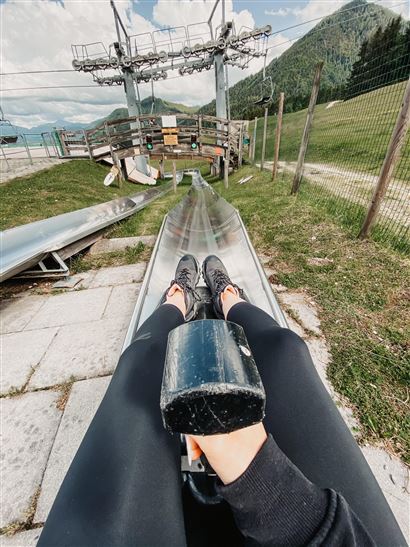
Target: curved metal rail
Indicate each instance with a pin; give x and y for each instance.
(203, 223)
(26, 245)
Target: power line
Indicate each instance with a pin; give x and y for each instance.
(318, 30)
(176, 76)
(37, 71)
(330, 14)
(49, 87)
(271, 47)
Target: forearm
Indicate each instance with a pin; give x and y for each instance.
(275, 504)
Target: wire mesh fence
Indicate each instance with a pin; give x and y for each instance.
(350, 136)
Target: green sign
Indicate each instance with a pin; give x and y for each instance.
(246, 140)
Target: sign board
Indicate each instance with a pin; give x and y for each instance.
(171, 140)
(169, 121)
(246, 140)
(109, 179)
(169, 130)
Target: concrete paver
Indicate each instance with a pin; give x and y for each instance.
(23, 539)
(71, 308)
(121, 303)
(120, 244)
(82, 404)
(92, 324)
(68, 282)
(294, 326)
(117, 275)
(21, 351)
(304, 309)
(393, 478)
(23, 167)
(85, 350)
(17, 312)
(29, 425)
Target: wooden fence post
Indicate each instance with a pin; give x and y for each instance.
(277, 136)
(174, 175)
(265, 127)
(87, 144)
(162, 167)
(392, 156)
(240, 151)
(227, 157)
(309, 119)
(254, 140)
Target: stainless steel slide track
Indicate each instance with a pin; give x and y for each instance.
(203, 223)
(26, 245)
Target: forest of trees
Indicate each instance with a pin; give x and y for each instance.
(364, 46)
(383, 59)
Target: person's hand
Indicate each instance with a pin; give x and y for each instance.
(229, 454)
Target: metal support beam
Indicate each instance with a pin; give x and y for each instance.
(220, 87)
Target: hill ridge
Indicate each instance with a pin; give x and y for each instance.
(337, 38)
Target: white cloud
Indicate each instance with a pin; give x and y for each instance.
(398, 6)
(49, 30)
(281, 12)
(315, 9)
(186, 12)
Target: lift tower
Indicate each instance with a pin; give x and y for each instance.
(148, 57)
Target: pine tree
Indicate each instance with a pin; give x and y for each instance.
(383, 59)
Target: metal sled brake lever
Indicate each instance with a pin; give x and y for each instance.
(201, 465)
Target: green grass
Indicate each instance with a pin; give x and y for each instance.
(363, 298)
(67, 187)
(131, 255)
(148, 221)
(363, 295)
(353, 134)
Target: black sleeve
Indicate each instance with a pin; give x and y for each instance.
(275, 504)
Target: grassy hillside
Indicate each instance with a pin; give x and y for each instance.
(146, 104)
(64, 188)
(354, 133)
(336, 39)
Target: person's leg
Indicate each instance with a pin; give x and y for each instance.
(305, 422)
(124, 485)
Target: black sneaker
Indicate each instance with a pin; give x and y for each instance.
(217, 279)
(187, 276)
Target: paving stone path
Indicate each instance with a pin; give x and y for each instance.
(58, 354)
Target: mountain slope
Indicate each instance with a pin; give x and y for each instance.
(160, 105)
(336, 39)
(117, 114)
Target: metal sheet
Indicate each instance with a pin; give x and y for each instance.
(203, 223)
(26, 245)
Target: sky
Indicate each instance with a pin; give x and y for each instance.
(38, 34)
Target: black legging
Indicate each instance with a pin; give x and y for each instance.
(124, 485)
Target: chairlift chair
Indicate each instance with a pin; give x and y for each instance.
(7, 139)
(266, 88)
(266, 92)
